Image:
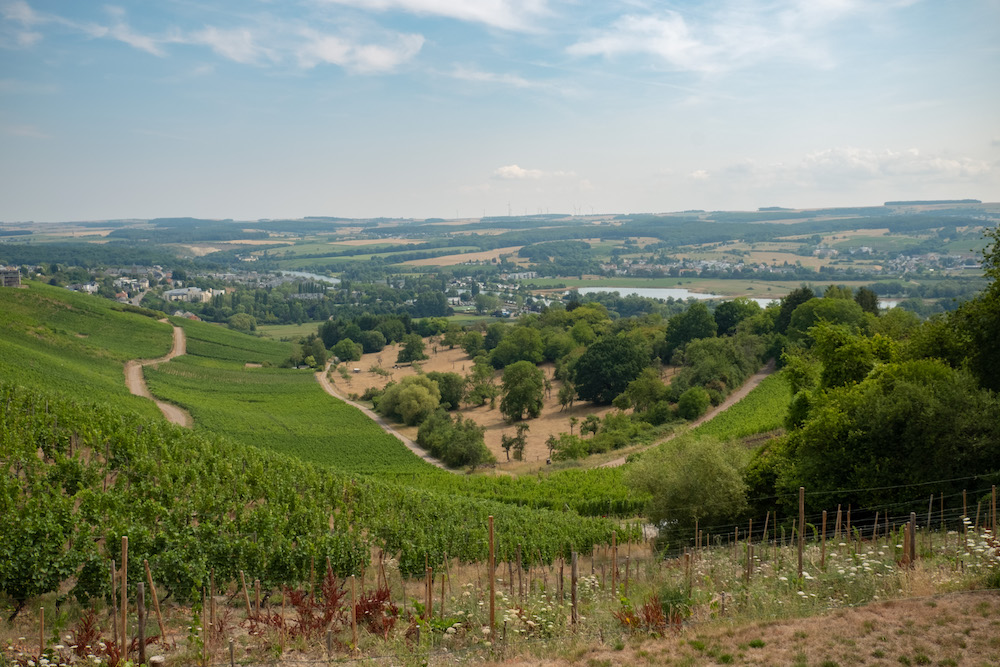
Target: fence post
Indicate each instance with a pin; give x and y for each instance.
(802, 524)
(573, 573)
(140, 605)
(913, 540)
(156, 601)
(41, 631)
(493, 581)
(124, 635)
(822, 552)
(614, 563)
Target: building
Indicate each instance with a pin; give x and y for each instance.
(190, 294)
(10, 277)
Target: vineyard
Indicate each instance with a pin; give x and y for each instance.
(215, 342)
(57, 338)
(761, 411)
(81, 475)
(283, 410)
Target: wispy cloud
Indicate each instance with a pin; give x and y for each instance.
(513, 172)
(516, 15)
(840, 167)
(733, 35)
(358, 56)
(464, 73)
(366, 51)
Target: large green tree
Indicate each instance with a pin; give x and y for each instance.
(523, 389)
(695, 322)
(730, 313)
(608, 366)
(411, 350)
(792, 300)
(411, 401)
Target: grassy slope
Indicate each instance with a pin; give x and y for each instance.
(762, 410)
(217, 342)
(280, 409)
(75, 343)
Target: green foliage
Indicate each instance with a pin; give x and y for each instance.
(695, 322)
(452, 388)
(718, 365)
(645, 391)
(410, 401)
(608, 366)
(690, 479)
(457, 442)
(569, 447)
(519, 344)
(834, 311)
(243, 322)
(904, 424)
(730, 313)
(693, 403)
(472, 343)
(792, 300)
(867, 299)
(523, 390)
(347, 350)
(848, 358)
(412, 349)
(372, 341)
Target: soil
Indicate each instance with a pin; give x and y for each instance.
(552, 421)
(136, 382)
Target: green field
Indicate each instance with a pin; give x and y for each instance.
(75, 343)
(215, 341)
(288, 331)
(280, 409)
(762, 410)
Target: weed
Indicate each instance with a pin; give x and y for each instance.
(757, 643)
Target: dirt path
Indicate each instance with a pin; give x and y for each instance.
(730, 401)
(136, 382)
(324, 382)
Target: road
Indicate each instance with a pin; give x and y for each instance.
(730, 401)
(136, 382)
(324, 381)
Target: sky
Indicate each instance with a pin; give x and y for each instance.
(252, 109)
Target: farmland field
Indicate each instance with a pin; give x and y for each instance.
(217, 342)
(279, 409)
(75, 343)
(762, 410)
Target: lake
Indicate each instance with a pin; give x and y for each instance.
(313, 276)
(670, 292)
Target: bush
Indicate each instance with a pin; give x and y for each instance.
(693, 403)
(411, 401)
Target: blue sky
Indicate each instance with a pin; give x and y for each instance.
(458, 108)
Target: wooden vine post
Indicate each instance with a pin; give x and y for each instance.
(994, 501)
(913, 540)
(822, 551)
(124, 633)
(41, 632)
(114, 604)
(156, 601)
(354, 615)
(573, 574)
(614, 562)
(140, 606)
(493, 580)
(246, 594)
(802, 524)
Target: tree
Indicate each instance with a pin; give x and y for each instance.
(457, 442)
(566, 396)
(472, 343)
(486, 303)
(730, 313)
(607, 367)
(590, 425)
(347, 350)
(693, 403)
(867, 299)
(792, 300)
(372, 341)
(520, 344)
(243, 322)
(520, 441)
(412, 349)
(695, 322)
(411, 401)
(452, 387)
(480, 383)
(690, 480)
(834, 311)
(645, 390)
(523, 388)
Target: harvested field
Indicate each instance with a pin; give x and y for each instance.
(452, 260)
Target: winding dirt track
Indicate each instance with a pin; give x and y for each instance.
(730, 401)
(324, 381)
(136, 382)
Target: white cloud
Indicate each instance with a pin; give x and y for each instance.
(521, 15)
(736, 34)
(478, 76)
(237, 44)
(364, 58)
(513, 172)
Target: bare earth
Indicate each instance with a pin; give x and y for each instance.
(136, 383)
(552, 421)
